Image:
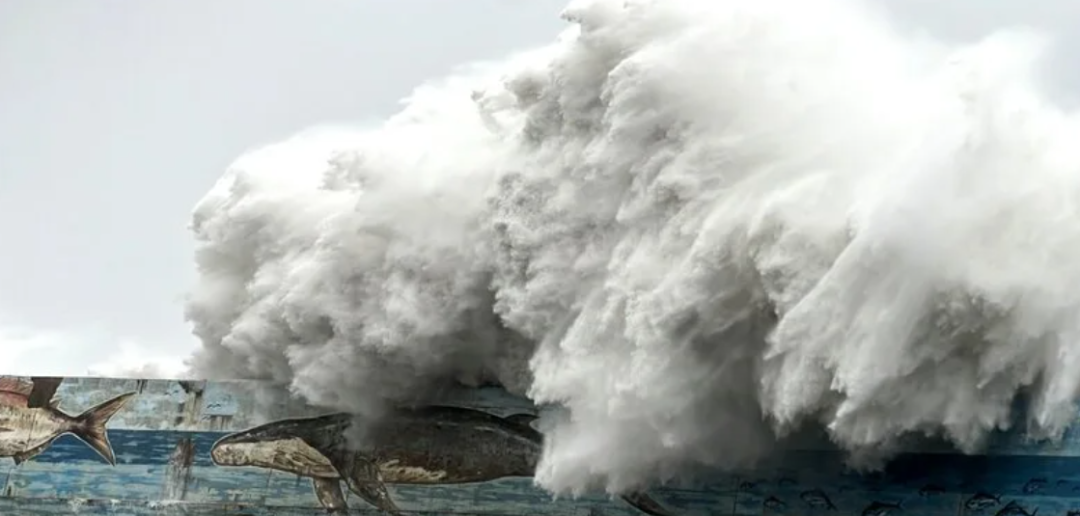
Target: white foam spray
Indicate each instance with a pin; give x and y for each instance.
(697, 225)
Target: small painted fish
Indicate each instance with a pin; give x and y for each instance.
(982, 500)
(877, 508)
(1014, 509)
(1034, 485)
(774, 503)
(785, 481)
(747, 485)
(817, 499)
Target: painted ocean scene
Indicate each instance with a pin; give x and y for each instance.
(208, 448)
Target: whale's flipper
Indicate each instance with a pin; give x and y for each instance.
(364, 479)
(328, 491)
(376, 494)
(645, 504)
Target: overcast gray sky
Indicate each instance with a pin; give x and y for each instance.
(116, 116)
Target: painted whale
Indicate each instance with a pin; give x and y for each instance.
(433, 445)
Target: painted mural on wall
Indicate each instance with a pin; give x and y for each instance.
(133, 447)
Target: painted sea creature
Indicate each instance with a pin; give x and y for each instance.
(1015, 509)
(433, 445)
(747, 485)
(817, 499)
(877, 508)
(31, 419)
(774, 504)
(1034, 485)
(981, 501)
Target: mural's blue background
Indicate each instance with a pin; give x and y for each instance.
(1014, 478)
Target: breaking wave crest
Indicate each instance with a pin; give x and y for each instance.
(698, 226)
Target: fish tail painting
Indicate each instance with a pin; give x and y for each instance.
(31, 419)
(89, 426)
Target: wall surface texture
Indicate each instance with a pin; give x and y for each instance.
(133, 447)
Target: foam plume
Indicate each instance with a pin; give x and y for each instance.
(698, 226)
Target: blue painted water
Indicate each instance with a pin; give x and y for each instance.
(803, 483)
(133, 447)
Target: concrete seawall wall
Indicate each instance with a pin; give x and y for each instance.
(189, 448)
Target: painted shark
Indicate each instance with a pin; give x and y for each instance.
(426, 446)
(31, 420)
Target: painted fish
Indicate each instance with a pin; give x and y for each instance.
(785, 481)
(774, 504)
(877, 508)
(817, 499)
(982, 501)
(428, 446)
(1034, 485)
(747, 485)
(27, 429)
(1014, 509)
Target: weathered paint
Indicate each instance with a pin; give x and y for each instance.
(163, 439)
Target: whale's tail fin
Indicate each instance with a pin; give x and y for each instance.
(645, 504)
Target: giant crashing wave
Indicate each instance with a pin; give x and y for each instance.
(698, 226)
